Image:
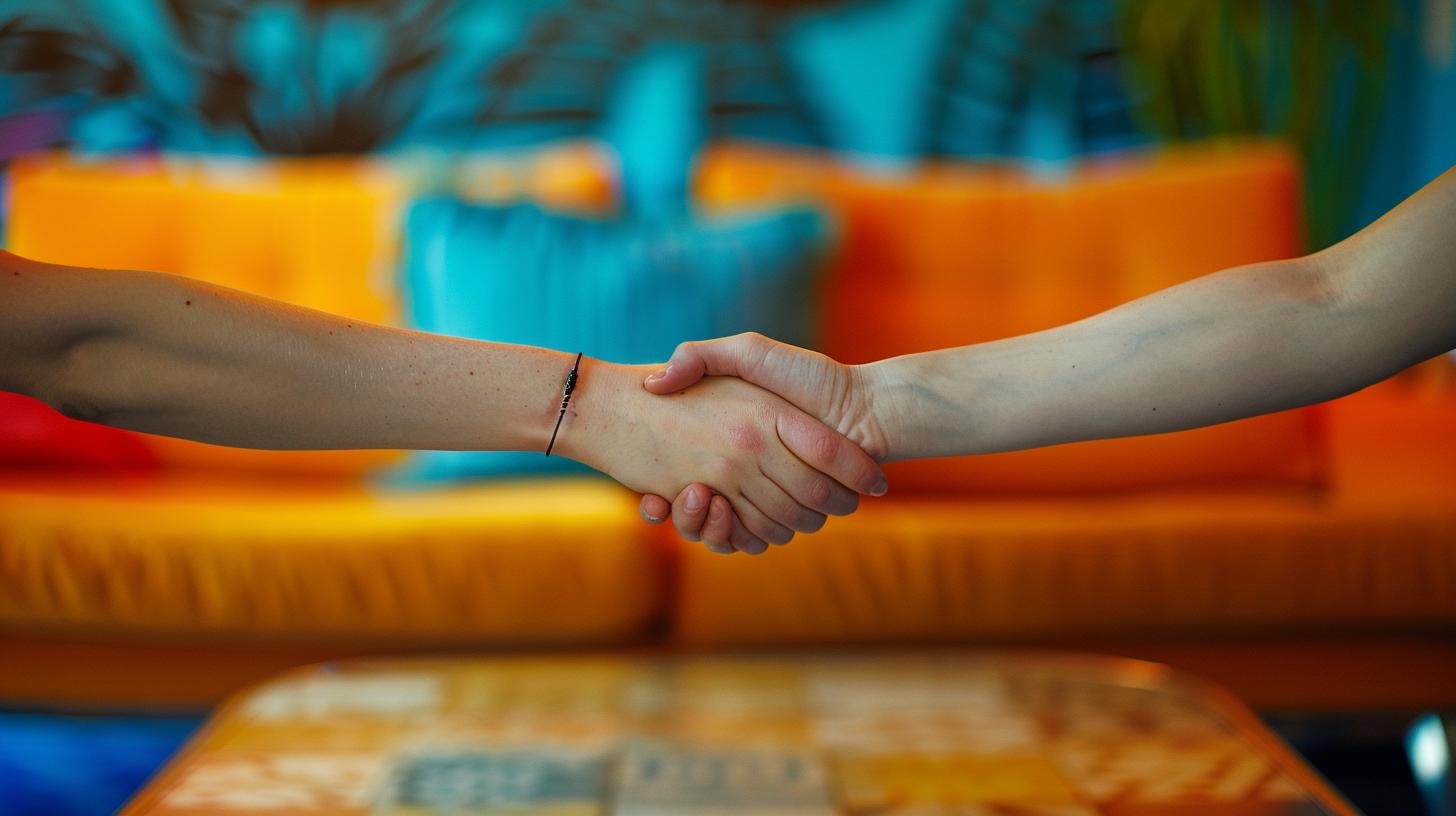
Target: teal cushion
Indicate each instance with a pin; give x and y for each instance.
(624, 291)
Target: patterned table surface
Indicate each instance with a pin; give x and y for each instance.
(891, 733)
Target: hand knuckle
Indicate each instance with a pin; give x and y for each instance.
(817, 492)
(744, 437)
(826, 447)
(723, 471)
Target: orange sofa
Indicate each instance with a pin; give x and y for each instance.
(1306, 559)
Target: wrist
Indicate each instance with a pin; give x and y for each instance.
(591, 419)
(896, 400)
(862, 418)
(877, 382)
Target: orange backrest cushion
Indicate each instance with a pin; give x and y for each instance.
(316, 232)
(948, 255)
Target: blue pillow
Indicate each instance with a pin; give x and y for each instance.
(624, 291)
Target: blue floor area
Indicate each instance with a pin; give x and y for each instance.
(1362, 755)
(81, 765)
(90, 765)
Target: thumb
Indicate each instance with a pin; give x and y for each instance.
(736, 356)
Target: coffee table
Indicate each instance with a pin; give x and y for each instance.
(870, 733)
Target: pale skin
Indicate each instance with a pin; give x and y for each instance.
(1237, 343)
(174, 356)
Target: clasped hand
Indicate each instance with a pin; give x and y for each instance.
(791, 438)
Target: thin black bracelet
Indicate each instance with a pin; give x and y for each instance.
(565, 401)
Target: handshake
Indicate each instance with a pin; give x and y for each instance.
(756, 439)
(777, 438)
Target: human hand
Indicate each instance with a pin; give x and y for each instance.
(839, 395)
(727, 433)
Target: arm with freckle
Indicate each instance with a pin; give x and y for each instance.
(1233, 344)
(1241, 342)
(178, 357)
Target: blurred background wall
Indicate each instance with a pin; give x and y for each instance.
(1356, 86)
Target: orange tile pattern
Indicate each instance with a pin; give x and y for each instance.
(900, 733)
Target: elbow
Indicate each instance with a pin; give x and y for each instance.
(85, 383)
(1315, 282)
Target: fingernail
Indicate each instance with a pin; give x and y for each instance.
(693, 503)
(716, 513)
(658, 375)
(881, 487)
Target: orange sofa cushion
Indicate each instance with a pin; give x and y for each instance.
(310, 561)
(1378, 549)
(317, 232)
(953, 254)
(1285, 449)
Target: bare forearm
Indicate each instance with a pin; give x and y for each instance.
(1242, 342)
(1207, 352)
(173, 356)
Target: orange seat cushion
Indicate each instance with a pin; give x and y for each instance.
(954, 254)
(315, 561)
(1378, 549)
(1288, 448)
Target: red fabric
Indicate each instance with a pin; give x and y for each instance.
(32, 434)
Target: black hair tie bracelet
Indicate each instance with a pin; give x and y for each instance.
(565, 400)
